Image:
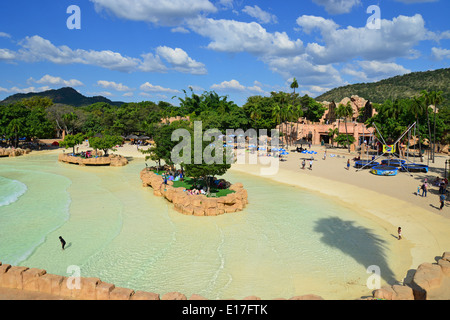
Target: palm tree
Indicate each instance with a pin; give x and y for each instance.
(298, 113)
(345, 111)
(434, 98)
(294, 85)
(331, 133)
(255, 112)
(276, 114)
(14, 127)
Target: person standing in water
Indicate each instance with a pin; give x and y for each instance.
(63, 242)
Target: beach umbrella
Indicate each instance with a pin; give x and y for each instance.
(132, 136)
(144, 137)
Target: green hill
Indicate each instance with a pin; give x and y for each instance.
(404, 86)
(68, 96)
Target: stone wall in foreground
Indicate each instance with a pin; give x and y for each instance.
(197, 205)
(427, 277)
(39, 281)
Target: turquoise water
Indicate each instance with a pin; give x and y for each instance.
(286, 242)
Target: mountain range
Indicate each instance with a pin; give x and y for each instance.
(66, 95)
(398, 87)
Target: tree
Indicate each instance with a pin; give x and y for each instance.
(298, 113)
(105, 142)
(331, 133)
(70, 141)
(206, 170)
(345, 111)
(162, 136)
(314, 110)
(294, 84)
(345, 140)
(434, 98)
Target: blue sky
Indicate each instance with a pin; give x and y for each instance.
(137, 50)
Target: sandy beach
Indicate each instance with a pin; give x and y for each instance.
(390, 201)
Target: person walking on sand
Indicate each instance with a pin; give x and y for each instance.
(63, 242)
(442, 199)
(348, 164)
(310, 164)
(325, 155)
(424, 189)
(399, 233)
(303, 164)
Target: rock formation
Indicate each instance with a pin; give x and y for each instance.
(111, 160)
(197, 205)
(428, 278)
(10, 152)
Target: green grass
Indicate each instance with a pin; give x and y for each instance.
(188, 183)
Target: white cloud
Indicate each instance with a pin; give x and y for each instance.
(112, 85)
(128, 94)
(24, 90)
(4, 35)
(148, 87)
(235, 36)
(261, 15)
(180, 60)
(440, 54)
(234, 85)
(306, 71)
(36, 48)
(57, 81)
(152, 63)
(162, 12)
(180, 30)
(337, 6)
(7, 55)
(395, 38)
(374, 70)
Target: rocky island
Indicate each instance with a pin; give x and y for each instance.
(197, 205)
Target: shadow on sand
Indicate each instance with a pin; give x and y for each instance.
(358, 242)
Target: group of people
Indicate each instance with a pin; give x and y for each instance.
(310, 163)
(173, 175)
(438, 182)
(195, 191)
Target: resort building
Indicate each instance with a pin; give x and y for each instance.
(318, 132)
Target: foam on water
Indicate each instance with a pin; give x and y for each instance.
(10, 191)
